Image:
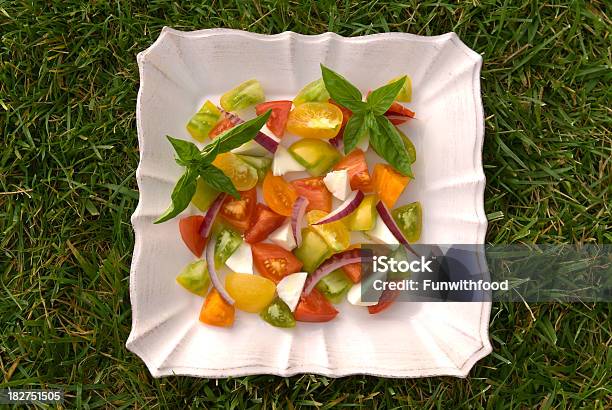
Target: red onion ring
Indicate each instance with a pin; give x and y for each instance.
(348, 206)
(214, 277)
(387, 218)
(331, 264)
(266, 141)
(297, 216)
(211, 215)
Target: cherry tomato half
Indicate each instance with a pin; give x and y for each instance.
(278, 194)
(315, 120)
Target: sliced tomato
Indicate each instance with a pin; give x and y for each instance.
(388, 183)
(190, 232)
(242, 175)
(386, 299)
(346, 115)
(353, 271)
(398, 114)
(238, 212)
(315, 191)
(314, 308)
(357, 167)
(278, 119)
(273, 262)
(315, 120)
(223, 125)
(278, 194)
(264, 222)
(216, 311)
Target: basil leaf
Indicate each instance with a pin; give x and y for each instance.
(355, 129)
(214, 177)
(342, 91)
(381, 99)
(186, 151)
(235, 137)
(181, 196)
(387, 142)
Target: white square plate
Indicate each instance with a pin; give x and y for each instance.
(181, 70)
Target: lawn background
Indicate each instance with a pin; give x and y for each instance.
(68, 84)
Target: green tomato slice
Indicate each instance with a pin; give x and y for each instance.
(312, 92)
(278, 314)
(203, 121)
(316, 155)
(194, 277)
(313, 250)
(409, 218)
(334, 286)
(261, 164)
(243, 96)
(405, 94)
(204, 195)
(228, 241)
(364, 217)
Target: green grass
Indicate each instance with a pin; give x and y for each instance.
(68, 84)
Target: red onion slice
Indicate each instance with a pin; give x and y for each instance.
(387, 218)
(211, 215)
(331, 264)
(297, 216)
(266, 141)
(214, 277)
(348, 206)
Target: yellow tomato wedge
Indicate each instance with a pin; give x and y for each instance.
(243, 176)
(315, 120)
(336, 233)
(251, 293)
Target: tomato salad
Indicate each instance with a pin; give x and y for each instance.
(290, 257)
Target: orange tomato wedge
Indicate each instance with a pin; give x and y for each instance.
(388, 184)
(216, 311)
(278, 194)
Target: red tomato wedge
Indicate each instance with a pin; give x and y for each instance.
(398, 114)
(264, 222)
(273, 262)
(190, 232)
(314, 308)
(353, 271)
(223, 125)
(386, 299)
(278, 119)
(357, 167)
(238, 212)
(315, 191)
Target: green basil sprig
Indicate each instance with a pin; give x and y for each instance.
(199, 163)
(368, 118)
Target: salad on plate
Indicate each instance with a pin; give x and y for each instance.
(287, 198)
